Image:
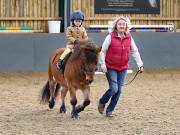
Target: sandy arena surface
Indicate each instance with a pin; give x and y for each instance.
(149, 106)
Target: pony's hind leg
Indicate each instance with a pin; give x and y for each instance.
(63, 95)
(53, 88)
(86, 101)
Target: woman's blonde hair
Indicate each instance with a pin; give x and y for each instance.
(114, 24)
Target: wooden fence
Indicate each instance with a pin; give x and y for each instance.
(34, 13)
(169, 13)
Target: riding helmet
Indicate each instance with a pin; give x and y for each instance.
(77, 15)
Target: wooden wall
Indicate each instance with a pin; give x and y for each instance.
(34, 13)
(169, 13)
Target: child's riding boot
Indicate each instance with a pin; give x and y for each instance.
(59, 64)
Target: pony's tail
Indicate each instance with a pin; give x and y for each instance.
(45, 95)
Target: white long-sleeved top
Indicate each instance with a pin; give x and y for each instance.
(134, 51)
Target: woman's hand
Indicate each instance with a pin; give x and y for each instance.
(104, 68)
(141, 69)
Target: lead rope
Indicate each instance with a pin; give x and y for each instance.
(131, 80)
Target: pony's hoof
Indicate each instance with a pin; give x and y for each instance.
(79, 108)
(51, 104)
(62, 110)
(74, 115)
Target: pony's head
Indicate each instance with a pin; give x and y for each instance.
(88, 54)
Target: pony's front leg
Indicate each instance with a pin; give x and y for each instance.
(86, 102)
(73, 101)
(63, 95)
(52, 84)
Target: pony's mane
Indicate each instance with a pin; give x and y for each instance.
(90, 51)
(84, 44)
